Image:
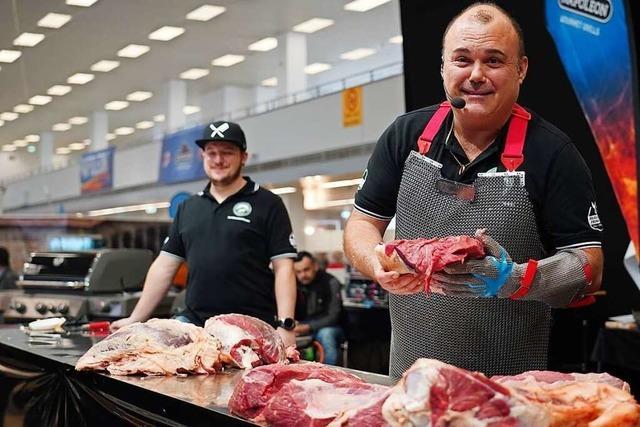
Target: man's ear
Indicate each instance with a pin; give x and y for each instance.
(523, 66)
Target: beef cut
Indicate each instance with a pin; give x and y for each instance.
(576, 400)
(260, 388)
(424, 257)
(155, 347)
(437, 394)
(247, 341)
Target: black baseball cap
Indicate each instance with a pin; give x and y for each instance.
(223, 131)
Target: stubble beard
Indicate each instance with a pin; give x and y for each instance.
(228, 180)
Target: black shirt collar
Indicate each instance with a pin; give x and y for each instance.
(249, 188)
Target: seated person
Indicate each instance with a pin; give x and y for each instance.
(318, 305)
(7, 276)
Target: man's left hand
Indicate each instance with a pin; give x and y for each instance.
(289, 337)
(302, 329)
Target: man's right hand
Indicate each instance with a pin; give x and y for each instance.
(122, 323)
(399, 284)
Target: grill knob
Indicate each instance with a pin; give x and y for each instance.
(52, 308)
(63, 308)
(41, 308)
(19, 307)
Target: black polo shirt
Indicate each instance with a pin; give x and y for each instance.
(557, 178)
(228, 247)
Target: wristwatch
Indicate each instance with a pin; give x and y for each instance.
(287, 323)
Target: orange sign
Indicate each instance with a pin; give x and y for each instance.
(352, 106)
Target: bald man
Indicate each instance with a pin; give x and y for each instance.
(480, 162)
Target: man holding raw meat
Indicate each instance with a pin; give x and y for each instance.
(451, 169)
(228, 234)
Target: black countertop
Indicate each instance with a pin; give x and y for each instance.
(201, 397)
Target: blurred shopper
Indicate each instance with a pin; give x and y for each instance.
(445, 171)
(318, 306)
(228, 234)
(7, 276)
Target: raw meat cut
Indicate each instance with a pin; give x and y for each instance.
(578, 399)
(247, 342)
(424, 257)
(437, 394)
(155, 347)
(258, 386)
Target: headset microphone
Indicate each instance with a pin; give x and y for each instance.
(456, 102)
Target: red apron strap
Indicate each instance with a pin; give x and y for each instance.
(512, 156)
(432, 128)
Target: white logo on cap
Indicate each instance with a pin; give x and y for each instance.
(218, 130)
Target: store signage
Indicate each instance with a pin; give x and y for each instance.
(96, 171)
(181, 159)
(352, 106)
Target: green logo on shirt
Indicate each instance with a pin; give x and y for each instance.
(242, 209)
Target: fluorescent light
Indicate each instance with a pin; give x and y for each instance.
(205, 12)
(1, 123)
(158, 118)
(80, 78)
(86, 142)
(270, 82)
(283, 190)
(78, 120)
(20, 143)
(8, 147)
(194, 73)
(166, 33)
(125, 130)
(116, 105)
(32, 138)
(313, 25)
(145, 124)
(8, 116)
(110, 137)
(83, 3)
(54, 20)
(396, 40)
(63, 150)
(8, 55)
(59, 90)
(61, 127)
(40, 100)
(355, 54)
(190, 109)
(316, 67)
(363, 5)
(77, 146)
(105, 66)
(139, 95)
(264, 45)
(342, 183)
(28, 39)
(133, 51)
(23, 108)
(227, 60)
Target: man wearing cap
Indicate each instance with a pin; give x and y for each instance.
(228, 234)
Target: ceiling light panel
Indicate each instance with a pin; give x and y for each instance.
(78, 120)
(227, 60)
(264, 45)
(61, 127)
(133, 51)
(40, 100)
(116, 105)
(80, 78)
(166, 33)
(105, 66)
(8, 147)
(316, 67)
(364, 5)
(63, 150)
(313, 25)
(194, 73)
(159, 118)
(32, 138)
(110, 137)
(59, 90)
(23, 108)
(270, 82)
(77, 146)
(396, 40)
(145, 124)
(205, 12)
(54, 20)
(28, 39)
(8, 116)
(125, 130)
(20, 143)
(190, 109)
(355, 54)
(83, 3)
(139, 95)
(8, 55)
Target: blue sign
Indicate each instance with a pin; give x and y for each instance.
(181, 159)
(176, 200)
(96, 171)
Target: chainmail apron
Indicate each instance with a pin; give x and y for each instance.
(490, 335)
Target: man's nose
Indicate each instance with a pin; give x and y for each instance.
(477, 73)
